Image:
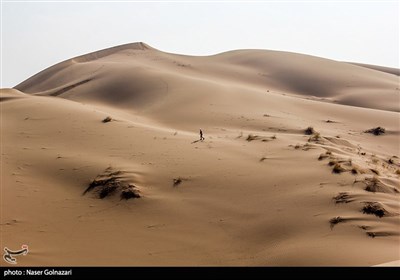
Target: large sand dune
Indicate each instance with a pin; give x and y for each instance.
(257, 191)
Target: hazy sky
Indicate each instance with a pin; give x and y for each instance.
(38, 35)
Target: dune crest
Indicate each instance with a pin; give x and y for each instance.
(133, 72)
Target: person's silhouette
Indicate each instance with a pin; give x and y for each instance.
(201, 135)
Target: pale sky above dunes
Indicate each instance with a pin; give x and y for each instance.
(38, 35)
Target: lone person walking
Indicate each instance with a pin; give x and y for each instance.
(201, 135)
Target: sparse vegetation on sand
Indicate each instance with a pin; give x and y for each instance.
(374, 171)
(393, 160)
(374, 208)
(325, 155)
(372, 184)
(107, 119)
(315, 137)
(252, 137)
(338, 168)
(130, 192)
(354, 170)
(342, 197)
(377, 234)
(309, 131)
(177, 181)
(376, 131)
(375, 185)
(334, 221)
(109, 183)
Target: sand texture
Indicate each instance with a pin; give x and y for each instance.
(101, 162)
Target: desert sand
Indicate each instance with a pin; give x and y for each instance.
(140, 189)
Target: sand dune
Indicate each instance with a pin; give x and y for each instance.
(139, 188)
(394, 71)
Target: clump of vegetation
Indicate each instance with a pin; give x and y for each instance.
(338, 168)
(364, 227)
(109, 183)
(325, 155)
(376, 131)
(342, 197)
(392, 160)
(251, 137)
(332, 162)
(334, 221)
(104, 187)
(107, 119)
(107, 190)
(354, 171)
(374, 208)
(309, 130)
(315, 137)
(372, 184)
(377, 234)
(374, 171)
(177, 181)
(130, 192)
(322, 156)
(375, 185)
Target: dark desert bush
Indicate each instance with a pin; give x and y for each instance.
(342, 197)
(130, 192)
(372, 184)
(107, 119)
(334, 221)
(375, 185)
(338, 168)
(177, 181)
(374, 208)
(376, 131)
(315, 137)
(323, 156)
(377, 234)
(107, 190)
(374, 171)
(251, 137)
(309, 130)
(98, 182)
(332, 162)
(109, 183)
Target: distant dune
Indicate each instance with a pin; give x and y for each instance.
(102, 162)
(394, 71)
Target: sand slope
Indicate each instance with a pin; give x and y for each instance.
(256, 191)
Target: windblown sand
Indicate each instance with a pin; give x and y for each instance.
(258, 191)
